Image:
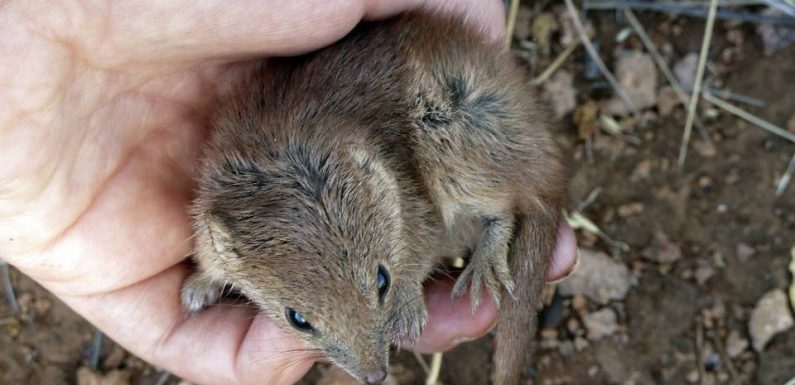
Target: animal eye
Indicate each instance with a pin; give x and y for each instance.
(297, 320)
(382, 282)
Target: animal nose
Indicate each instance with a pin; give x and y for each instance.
(375, 377)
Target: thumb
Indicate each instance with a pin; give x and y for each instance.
(187, 30)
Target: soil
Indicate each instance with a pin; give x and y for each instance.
(720, 211)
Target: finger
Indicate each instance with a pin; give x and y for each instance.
(190, 30)
(565, 256)
(226, 344)
(453, 322)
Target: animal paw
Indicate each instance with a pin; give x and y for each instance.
(407, 316)
(489, 271)
(198, 293)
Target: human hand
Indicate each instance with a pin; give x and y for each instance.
(102, 116)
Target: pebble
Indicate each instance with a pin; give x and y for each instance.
(599, 278)
(770, 316)
(735, 344)
(745, 252)
(638, 76)
(600, 324)
(662, 250)
(685, 70)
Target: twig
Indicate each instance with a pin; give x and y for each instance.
(664, 68)
(783, 182)
(675, 8)
(591, 198)
(721, 346)
(700, 351)
(8, 287)
(511, 24)
(436, 367)
(791, 381)
(422, 362)
(578, 25)
(96, 349)
(694, 97)
(555, 64)
(728, 95)
(749, 117)
(163, 378)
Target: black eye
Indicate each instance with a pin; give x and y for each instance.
(297, 320)
(382, 282)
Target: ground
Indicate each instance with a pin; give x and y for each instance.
(706, 242)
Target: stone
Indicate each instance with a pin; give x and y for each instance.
(599, 278)
(770, 316)
(600, 324)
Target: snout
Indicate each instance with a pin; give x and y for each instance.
(374, 376)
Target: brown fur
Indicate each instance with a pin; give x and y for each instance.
(407, 139)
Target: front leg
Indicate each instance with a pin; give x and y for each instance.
(489, 263)
(199, 291)
(406, 313)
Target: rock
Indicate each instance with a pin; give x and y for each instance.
(600, 324)
(637, 74)
(86, 376)
(599, 278)
(744, 252)
(775, 37)
(630, 209)
(336, 376)
(667, 100)
(685, 71)
(703, 274)
(560, 90)
(662, 250)
(736, 344)
(770, 316)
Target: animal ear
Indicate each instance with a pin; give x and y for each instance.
(220, 235)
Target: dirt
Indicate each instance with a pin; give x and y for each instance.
(720, 212)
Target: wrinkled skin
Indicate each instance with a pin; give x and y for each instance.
(102, 115)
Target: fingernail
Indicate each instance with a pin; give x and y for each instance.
(571, 271)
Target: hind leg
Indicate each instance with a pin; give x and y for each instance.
(488, 265)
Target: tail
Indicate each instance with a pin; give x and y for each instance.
(530, 254)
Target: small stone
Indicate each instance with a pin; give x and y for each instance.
(770, 316)
(638, 76)
(735, 344)
(642, 171)
(745, 252)
(705, 149)
(662, 250)
(600, 324)
(580, 344)
(579, 303)
(42, 306)
(86, 376)
(667, 100)
(599, 278)
(560, 90)
(685, 71)
(115, 358)
(566, 348)
(630, 209)
(703, 274)
(572, 325)
(692, 376)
